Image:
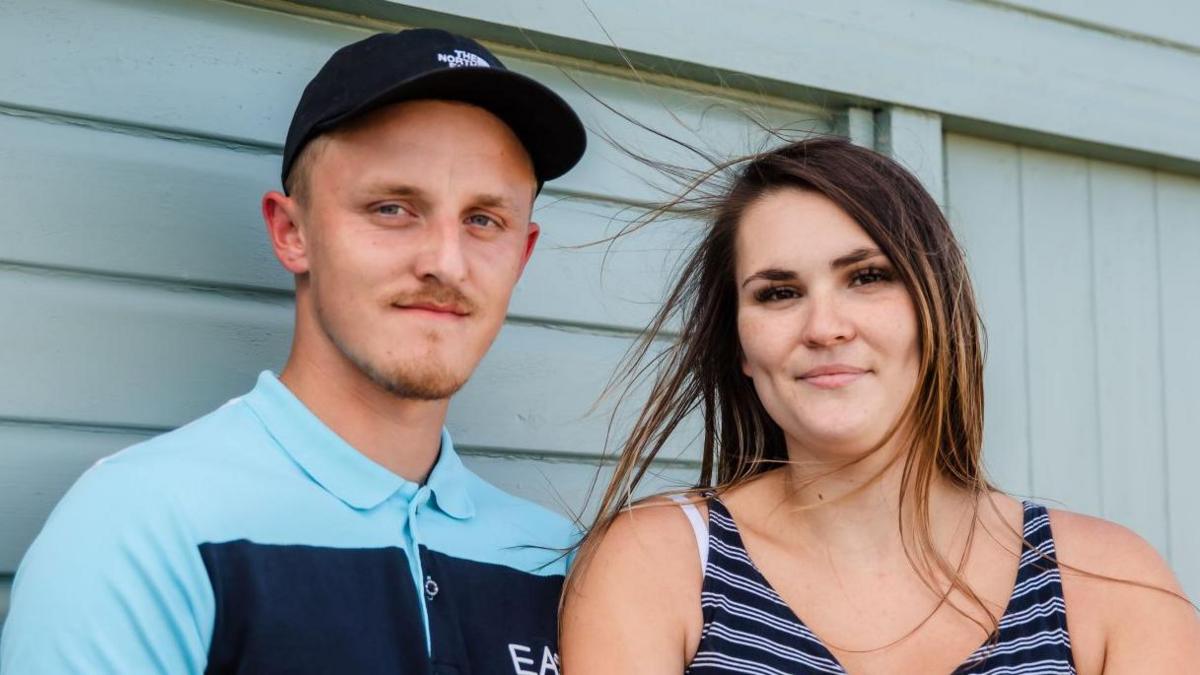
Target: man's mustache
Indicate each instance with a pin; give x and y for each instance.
(437, 295)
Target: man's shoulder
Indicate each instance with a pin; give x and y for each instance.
(119, 551)
(161, 478)
(210, 439)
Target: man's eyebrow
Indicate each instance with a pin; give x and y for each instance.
(856, 256)
(485, 200)
(771, 274)
(393, 189)
(490, 200)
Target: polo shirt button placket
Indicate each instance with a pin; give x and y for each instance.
(414, 508)
(430, 586)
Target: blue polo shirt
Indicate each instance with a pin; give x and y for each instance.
(255, 540)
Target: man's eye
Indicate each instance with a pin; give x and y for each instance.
(390, 210)
(482, 220)
(776, 293)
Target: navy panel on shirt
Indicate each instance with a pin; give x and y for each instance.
(312, 609)
(488, 619)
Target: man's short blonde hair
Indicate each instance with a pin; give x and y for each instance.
(297, 183)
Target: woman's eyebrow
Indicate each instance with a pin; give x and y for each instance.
(771, 274)
(779, 274)
(856, 256)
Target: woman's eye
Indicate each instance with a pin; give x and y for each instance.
(871, 275)
(482, 220)
(776, 293)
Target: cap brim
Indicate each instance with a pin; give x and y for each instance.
(545, 124)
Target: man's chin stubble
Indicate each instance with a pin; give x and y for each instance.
(429, 385)
(418, 384)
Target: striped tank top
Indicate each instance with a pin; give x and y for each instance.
(749, 629)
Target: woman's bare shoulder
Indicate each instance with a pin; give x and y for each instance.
(657, 526)
(1102, 547)
(633, 600)
(1125, 607)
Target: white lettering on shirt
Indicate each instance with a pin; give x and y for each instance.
(519, 661)
(549, 662)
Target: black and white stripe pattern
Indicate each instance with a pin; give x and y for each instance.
(749, 629)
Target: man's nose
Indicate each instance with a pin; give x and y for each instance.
(441, 254)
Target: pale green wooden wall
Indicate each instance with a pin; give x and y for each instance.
(138, 291)
(1086, 275)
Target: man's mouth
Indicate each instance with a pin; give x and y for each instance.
(435, 310)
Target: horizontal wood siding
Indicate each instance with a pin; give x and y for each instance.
(1027, 71)
(139, 290)
(1171, 21)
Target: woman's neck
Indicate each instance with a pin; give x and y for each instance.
(869, 506)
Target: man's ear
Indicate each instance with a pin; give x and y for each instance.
(281, 213)
(530, 241)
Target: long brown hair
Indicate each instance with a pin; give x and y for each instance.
(700, 369)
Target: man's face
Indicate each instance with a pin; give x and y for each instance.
(416, 227)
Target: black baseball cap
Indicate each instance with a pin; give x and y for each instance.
(426, 63)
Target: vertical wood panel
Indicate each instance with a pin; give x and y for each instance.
(5, 590)
(1129, 364)
(1179, 245)
(1064, 430)
(1112, 310)
(858, 125)
(914, 138)
(983, 200)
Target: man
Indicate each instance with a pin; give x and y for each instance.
(323, 522)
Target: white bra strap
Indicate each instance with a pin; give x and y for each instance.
(699, 527)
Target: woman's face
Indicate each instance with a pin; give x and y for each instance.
(828, 331)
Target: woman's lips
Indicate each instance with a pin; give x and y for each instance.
(832, 376)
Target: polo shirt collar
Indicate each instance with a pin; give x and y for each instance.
(449, 480)
(343, 471)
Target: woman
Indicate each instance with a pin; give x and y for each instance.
(843, 523)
